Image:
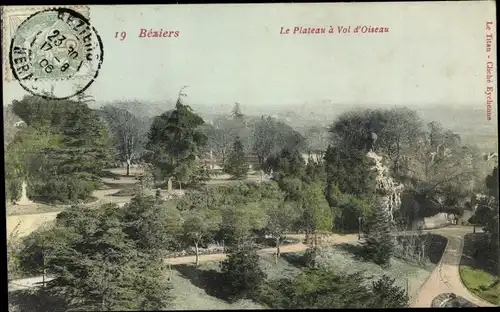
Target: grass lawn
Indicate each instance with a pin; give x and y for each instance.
(479, 282)
(477, 270)
(406, 275)
(192, 290)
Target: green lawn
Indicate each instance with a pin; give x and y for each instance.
(479, 282)
(191, 292)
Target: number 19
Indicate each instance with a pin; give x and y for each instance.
(122, 34)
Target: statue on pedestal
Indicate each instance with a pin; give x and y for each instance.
(24, 200)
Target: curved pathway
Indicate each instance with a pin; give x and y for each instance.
(445, 278)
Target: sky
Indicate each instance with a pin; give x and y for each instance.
(433, 55)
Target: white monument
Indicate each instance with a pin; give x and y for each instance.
(24, 200)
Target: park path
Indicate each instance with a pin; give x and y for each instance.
(445, 278)
(332, 239)
(24, 224)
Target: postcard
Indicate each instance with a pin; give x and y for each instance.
(251, 156)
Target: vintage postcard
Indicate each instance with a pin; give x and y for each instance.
(251, 156)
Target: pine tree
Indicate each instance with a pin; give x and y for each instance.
(237, 164)
(236, 113)
(242, 274)
(378, 244)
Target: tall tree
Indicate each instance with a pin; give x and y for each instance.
(242, 274)
(237, 164)
(378, 243)
(264, 138)
(317, 139)
(240, 220)
(221, 135)
(288, 163)
(281, 216)
(63, 149)
(129, 132)
(177, 142)
(350, 171)
(98, 267)
(236, 112)
(439, 168)
(198, 225)
(316, 214)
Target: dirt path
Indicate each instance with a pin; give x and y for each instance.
(445, 278)
(330, 240)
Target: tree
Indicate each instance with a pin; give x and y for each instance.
(240, 220)
(347, 210)
(281, 216)
(11, 124)
(153, 226)
(317, 139)
(237, 165)
(439, 169)
(242, 274)
(264, 138)
(402, 130)
(316, 214)
(221, 135)
(387, 295)
(97, 265)
(128, 131)
(176, 142)
(236, 113)
(350, 171)
(288, 163)
(378, 243)
(270, 136)
(62, 151)
(323, 288)
(493, 220)
(198, 225)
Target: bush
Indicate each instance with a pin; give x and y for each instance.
(310, 256)
(68, 188)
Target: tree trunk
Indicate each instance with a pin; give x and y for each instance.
(128, 167)
(44, 270)
(197, 253)
(277, 249)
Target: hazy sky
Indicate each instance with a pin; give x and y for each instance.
(434, 54)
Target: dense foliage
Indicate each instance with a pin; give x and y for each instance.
(60, 153)
(321, 288)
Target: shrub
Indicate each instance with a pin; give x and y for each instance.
(68, 188)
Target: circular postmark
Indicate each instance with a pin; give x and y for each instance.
(56, 53)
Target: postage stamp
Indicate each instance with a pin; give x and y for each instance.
(53, 49)
(12, 18)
